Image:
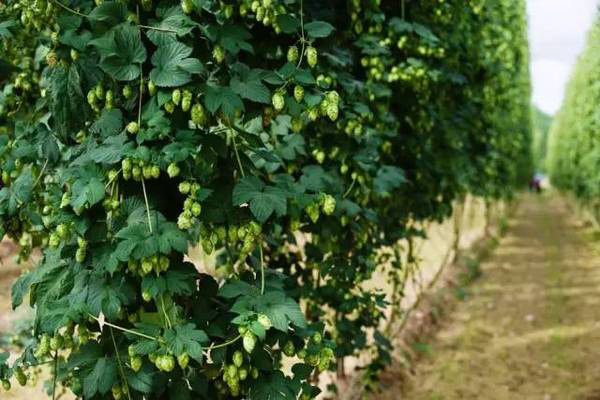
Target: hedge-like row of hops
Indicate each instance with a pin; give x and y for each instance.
(295, 140)
(573, 157)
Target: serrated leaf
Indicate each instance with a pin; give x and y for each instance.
(110, 12)
(288, 23)
(274, 386)
(121, 51)
(173, 66)
(281, 310)
(186, 338)
(88, 187)
(388, 178)
(262, 199)
(19, 193)
(102, 377)
(66, 99)
(5, 28)
(110, 122)
(251, 88)
(318, 29)
(223, 98)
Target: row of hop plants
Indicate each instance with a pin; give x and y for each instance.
(573, 151)
(295, 141)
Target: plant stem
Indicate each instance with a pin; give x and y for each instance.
(147, 205)
(119, 363)
(55, 375)
(237, 156)
(262, 270)
(125, 329)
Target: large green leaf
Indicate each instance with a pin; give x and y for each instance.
(121, 51)
(262, 199)
(173, 65)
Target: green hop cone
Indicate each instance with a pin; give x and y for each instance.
(21, 377)
(117, 393)
(167, 363)
(176, 96)
(312, 56)
(151, 88)
(196, 209)
(328, 205)
(186, 103)
(292, 54)
(146, 296)
(173, 170)
(299, 93)
(184, 187)
(289, 349)
(265, 321)
(187, 6)
(133, 128)
(278, 101)
(218, 54)
(332, 111)
(238, 358)
(6, 384)
(198, 114)
(136, 363)
(317, 338)
(232, 372)
(249, 341)
(127, 92)
(169, 107)
(183, 360)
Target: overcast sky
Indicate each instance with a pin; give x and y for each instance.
(557, 32)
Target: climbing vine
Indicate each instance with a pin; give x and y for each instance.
(573, 150)
(292, 141)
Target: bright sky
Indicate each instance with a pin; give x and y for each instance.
(557, 33)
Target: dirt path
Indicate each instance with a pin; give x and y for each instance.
(531, 326)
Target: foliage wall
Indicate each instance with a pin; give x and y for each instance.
(574, 153)
(296, 140)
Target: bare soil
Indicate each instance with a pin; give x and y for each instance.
(530, 327)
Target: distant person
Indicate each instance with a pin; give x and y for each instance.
(535, 184)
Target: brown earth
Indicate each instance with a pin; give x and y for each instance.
(530, 328)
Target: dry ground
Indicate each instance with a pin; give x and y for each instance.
(530, 328)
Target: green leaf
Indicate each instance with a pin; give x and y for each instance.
(233, 38)
(102, 378)
(173, 66)
(66, 98)
(219, 97)
(262, 199)
(292, 146)
(19, 193)
(274, 386)
(110, 122)
(186, 338)
(112, 150)
(146, 380)
(88, 187)
(318, 29)
(110, 12)
(288, 23)
(281, 310)
(5, 28)
(388, 178)
(174, 20)
(121, 51)
(107, 295)
(251, 87)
